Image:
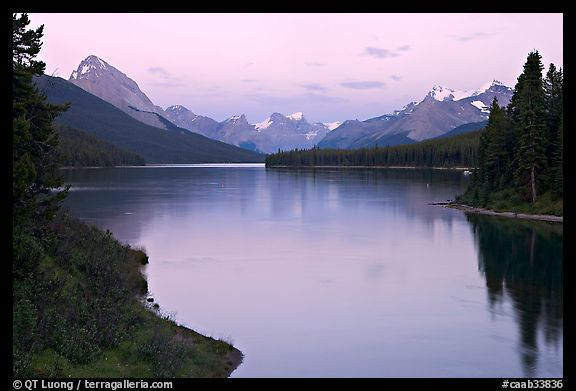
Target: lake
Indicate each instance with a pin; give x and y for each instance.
(338, 272)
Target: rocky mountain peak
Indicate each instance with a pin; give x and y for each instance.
(298, 116)
(238, 120)
(178, 110)
(92, 66)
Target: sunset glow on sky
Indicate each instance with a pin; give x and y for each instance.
(329, 66)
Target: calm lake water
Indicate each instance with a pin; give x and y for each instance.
(339, 272)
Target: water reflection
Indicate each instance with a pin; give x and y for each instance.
(523, 261)
(331, 272)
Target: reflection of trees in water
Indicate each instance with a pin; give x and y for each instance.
(524, 260)
(406, 190)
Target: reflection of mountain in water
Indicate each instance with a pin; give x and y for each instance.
(523, 261)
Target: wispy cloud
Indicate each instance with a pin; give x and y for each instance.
(382, 53)
(164, 78)
(471, 37)
(315, 64)
(159, 71)
(362, 85)
(313, 87)
(395, 77)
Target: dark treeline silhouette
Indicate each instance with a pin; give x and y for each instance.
(77, 148)
(522, 261)
(521, 150)
(457, 151)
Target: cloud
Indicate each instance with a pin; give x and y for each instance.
(471, 37)
(395, 77)
(381, 53)
(313, 87)
(159, 71)
(362, 85)
(315, 64)
(164, 78)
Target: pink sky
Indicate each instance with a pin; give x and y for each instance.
(329, 66)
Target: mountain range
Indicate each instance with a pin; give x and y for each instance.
(441, 112)
(103, 80)
(107, 122)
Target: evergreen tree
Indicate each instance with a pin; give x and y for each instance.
(500, 150)
(494, 152)
(559, 161)
(527, 110)
(554, 101)
(34, 175)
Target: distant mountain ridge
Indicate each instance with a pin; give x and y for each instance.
(103, 80)
(441, 110)
(107, 122)
(278, 131)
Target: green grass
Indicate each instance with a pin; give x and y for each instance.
(78, 312)
(509, 201)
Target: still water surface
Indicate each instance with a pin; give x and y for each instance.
(339, 272)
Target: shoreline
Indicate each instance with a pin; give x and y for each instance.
(407, 167)
(513, 215)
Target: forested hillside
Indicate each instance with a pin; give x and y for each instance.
(77, 148)
(457, 151)
(107, 122)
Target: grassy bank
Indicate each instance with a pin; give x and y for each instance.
(78, 311)
(509, 201)
(514, 215)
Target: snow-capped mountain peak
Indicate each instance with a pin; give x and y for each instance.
(279, 120)
(296, 116)
(92, 64)
(178, 110)
(264, 124)
(237, 118)
(441, 93)
(332, 125)
(487, 86)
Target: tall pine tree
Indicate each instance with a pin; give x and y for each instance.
(499, 147)
(554, 104)
(526, 111)
(34, 175)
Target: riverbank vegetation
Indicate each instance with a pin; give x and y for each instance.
(78, 294)
(78, 311)
(520, 165)
(452, 152)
